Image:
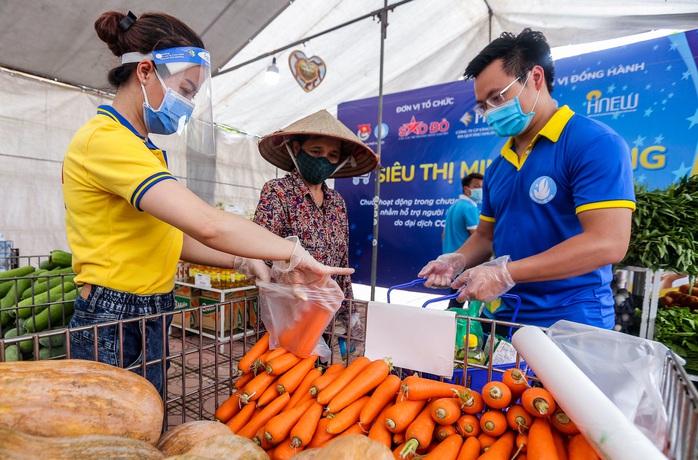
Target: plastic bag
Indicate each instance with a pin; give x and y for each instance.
(473, 311)
(627, 369)
(297, 325)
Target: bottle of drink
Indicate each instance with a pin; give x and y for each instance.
(475, 353)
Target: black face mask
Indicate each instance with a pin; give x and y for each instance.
(314, 170)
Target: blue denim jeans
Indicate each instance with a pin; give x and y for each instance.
(106, 305)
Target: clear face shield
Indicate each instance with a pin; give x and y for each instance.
(185, 76)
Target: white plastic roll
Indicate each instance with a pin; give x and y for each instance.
(610, 432)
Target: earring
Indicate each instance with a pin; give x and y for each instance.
(144, 82)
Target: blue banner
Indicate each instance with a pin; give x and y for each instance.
(647, 92)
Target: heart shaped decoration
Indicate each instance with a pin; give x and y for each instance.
(308, 72)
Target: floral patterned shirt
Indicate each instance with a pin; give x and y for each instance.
(286, 207)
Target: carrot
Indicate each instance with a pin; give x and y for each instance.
(580, 449)
(517, 382)
(421, 388)
(398, 449)
(560, 443)
(261, 363)
(325, 379)
(260, 419)
(321, 436)
(468, 425)
(420, 432)
(444, 431)
(255, 387)
(279, 426)
(381, 396)
(470, 449)
(347, 417)
(268, 395)
(445, 411)
(540, 440)
(303, 337)
(290, 380)
(303, 387)
(485, 441)
(538, 402)
(262, 345)
(562, 422)
(379, 432)
(501, 449)
(518, 418)
(260, 441)
(302, 432)
(521, 443)
(496, 395)
(349, 374)
(447, 449)
(399, 416)
(241, 418)
(353, 429)
(493, 422)
(228, 408)
(284, 450)
(241, 381)
(369, 378)
(472, 402)
(282, 363)
(399, 438)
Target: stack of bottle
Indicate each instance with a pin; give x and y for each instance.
(221, 278)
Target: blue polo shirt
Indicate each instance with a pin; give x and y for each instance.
(462, 217)
(573, 164)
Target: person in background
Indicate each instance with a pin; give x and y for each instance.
(314, 149)
(462, 219)
(557, 203)
(129, 221)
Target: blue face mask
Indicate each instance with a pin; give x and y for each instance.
(173, 114)
(476, 194)
(508, 119)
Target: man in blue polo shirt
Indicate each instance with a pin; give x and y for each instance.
(557, 203)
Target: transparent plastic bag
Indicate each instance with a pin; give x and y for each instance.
(297, 325)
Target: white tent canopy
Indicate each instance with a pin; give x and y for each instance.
(427, 42)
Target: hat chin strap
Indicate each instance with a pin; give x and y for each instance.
(293, 159)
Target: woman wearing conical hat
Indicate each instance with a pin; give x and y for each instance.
(312, 150)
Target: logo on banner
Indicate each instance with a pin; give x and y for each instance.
(384, 131)
(364, 131)
(421, 128)
(466, 119)
(598, 105)
(543, 190)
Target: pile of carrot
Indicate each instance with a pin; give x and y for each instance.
(287, 404)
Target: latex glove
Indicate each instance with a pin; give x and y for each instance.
(485, 282)
(252, 268)
(440, 272)
(304, 270)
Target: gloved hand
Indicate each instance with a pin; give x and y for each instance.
(485, 282)
(304, 270)
(252, 268)
(440, 272)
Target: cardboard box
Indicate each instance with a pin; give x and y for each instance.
(185, 297)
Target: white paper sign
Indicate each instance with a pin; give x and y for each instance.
(414, 338)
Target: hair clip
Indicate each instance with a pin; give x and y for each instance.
(127, 21)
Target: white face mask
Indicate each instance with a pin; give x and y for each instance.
(476, 194)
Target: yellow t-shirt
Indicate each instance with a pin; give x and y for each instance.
(106, 171)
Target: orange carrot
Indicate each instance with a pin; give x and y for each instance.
(501, 449)
(382, 395)
(353, 429)
(284, 450)
(496, 395)
(521, 444)
(305, 333)
(279, 426)
(303, 387)
(241, 418)
(562, 422)
(420, 432)
(580, 449)
(379, 432)
(302, 432)
(262, 345)
(421, 388)
(468, 425)
(260, 419)
(540, 440)
(399, 438)
(486, 441)
(447, 449)
(560, 443)
(442, 432)
(494, 422)
(325, 379)
(268, 395)
(321, 436)
(255, 387)
(470, 449)
(260, 441)
(517, 382)
(445, 411)
(349, 374)
(369, 378)
(398, 449)
(228, 408)
(294, 376)
(260, 365)
(281, 364)
(538, 402)
(399, 416)
(347, 417)
(472, 402)
(241, 381)
(519, 419)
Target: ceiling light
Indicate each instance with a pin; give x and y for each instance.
(271, 76)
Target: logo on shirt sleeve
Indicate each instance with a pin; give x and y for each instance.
(543, 190)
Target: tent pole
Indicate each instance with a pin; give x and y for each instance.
(376, 200)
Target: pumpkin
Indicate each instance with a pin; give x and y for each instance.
(224, 446)
(16, 445)
(181, 438)
(355, 446)
(74, 397)
(308, 454)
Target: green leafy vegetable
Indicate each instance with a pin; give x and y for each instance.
(677, 328)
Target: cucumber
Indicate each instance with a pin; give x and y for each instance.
(5, 318)
(53, 315)
(40, 286)
(26, 346)
(51, 352)
(61, 258)
(26, 310)
(48, 265)
(17, 272)
(15, 294)
(13, 353)
(52, 340)
(61, 271)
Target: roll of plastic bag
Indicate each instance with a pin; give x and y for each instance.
(613, 436)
